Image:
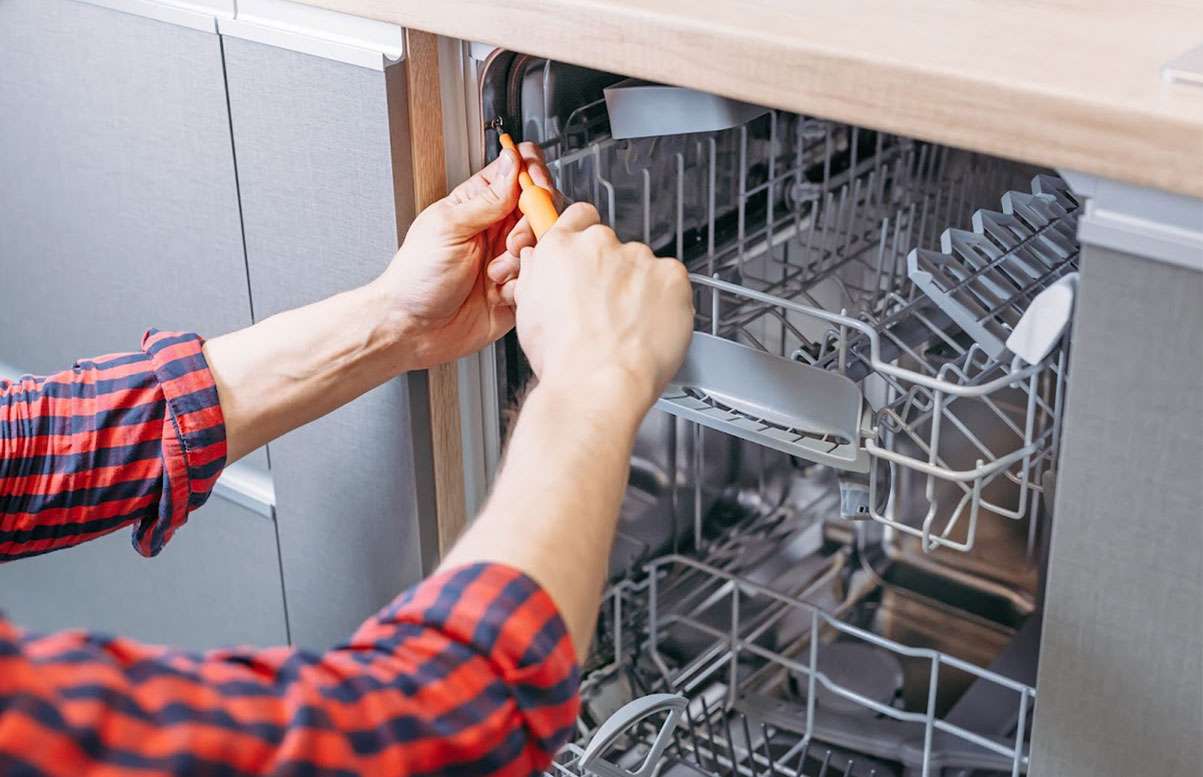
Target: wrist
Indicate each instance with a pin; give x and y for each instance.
(394, 331)
(618, 395)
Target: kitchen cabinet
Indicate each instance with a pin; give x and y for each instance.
(316, 168)
(1123, 624)
(119, 211)
(170, 173)
(216, 584)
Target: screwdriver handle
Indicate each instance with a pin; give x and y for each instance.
(535, 202)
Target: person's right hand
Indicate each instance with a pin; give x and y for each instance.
(592, 311)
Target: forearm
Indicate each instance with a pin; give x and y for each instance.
(301, 364)
(554, 508)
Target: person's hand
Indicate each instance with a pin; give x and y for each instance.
(595, 313)
(436, 287)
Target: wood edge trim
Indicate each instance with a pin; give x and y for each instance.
(428, 178)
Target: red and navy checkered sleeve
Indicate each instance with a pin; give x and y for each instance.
(470, 673)
(124, 439)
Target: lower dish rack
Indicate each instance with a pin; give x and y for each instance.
(684, 745)
(736, 673)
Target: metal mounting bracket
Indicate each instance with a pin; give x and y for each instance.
(1137, 220)
(1186, 68)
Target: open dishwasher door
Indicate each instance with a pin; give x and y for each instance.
(841, 589)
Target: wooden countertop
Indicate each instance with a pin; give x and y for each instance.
(1073, 84)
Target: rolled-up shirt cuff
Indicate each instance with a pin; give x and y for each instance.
(194, 435)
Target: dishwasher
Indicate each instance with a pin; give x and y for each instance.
(792, 593)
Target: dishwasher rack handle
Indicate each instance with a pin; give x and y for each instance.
(627, 717)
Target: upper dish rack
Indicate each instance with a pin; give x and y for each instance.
(825, 244)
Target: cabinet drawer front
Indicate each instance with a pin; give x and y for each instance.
(216, 583)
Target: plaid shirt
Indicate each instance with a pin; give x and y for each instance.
(470, 672)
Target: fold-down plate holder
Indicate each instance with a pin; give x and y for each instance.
(792, 407)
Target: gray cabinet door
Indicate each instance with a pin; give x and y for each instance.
(119, 207)
(119, 211)
(119, 203)
(1121, 661)
(312, 138)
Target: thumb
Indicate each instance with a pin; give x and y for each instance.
(488, 197)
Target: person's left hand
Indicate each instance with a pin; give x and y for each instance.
(440, 284)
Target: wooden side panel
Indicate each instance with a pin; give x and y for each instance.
(429, 185)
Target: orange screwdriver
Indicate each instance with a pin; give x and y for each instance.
(535, 202)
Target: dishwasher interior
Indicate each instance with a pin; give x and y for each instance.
(785, 600)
